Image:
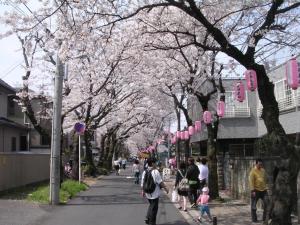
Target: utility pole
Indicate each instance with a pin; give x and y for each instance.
(56, 134)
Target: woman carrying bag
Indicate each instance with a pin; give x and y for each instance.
(179, 185)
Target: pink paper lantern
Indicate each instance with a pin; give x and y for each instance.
(220, 108)
(178, 134)
(239, 91)
(207, 117)
(182, 135)
(191, 130)
(186, 135)
(197, 125)
(251, 79)
(292, 73)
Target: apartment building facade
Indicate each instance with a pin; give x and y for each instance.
(242, 123)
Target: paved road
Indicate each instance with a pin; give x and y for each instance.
(113, 200)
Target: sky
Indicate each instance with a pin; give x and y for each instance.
(11, 59)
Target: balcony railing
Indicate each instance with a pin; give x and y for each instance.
(237, 113)
(289, 102)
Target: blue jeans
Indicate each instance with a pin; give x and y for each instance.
(204, 209)
(137, 177)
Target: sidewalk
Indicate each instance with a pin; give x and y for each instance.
(231, 212)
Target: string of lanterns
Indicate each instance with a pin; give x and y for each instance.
(239, 91)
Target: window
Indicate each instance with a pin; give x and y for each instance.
(45, 140)
(13, 144)
(241, 150)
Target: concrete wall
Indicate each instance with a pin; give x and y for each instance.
(19, 169)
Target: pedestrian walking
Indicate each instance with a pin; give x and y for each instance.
(202, 202)
(117, 167)
(124, 163)
(203, 173)
(192, 175)
(136, 171)
(258, 187)
(151, 185)
(181, 174)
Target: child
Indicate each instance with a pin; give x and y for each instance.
(202, 202)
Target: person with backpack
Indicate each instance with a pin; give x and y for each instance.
(181, 184)
(151, 185)
(192, 174)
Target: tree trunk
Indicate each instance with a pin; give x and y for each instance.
(212, 134)
(112, 148)
(89, 154)
(178, 142)
(106, 152)
(75, 167)
(102, 149)
(187, 150)
(212, 131)
(287, 169)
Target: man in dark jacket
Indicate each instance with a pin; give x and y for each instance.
(192, 176)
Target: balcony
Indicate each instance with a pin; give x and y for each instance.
(237, 112)
(285, 104)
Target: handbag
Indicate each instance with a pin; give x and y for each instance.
(174, 196)
(183, 184)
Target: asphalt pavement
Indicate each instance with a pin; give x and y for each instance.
(112, 200)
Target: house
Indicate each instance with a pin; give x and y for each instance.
(16, 132)
(13, 135)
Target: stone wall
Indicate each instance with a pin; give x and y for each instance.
(19, 169)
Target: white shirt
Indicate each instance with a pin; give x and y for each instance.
(116, 162)
(136, 168)
(203, 172)
(157, 179)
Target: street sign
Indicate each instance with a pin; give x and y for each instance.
(79, 128)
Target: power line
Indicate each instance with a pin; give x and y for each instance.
(10, 70)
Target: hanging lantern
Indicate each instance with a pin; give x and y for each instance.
(220, 108)
(197, 126)
(182, 135)
(292, 73)
(251, 79)
(178, 134)
(191, 130)
(174, 140)
(239, 91)
(207, 117)
(186, 135)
